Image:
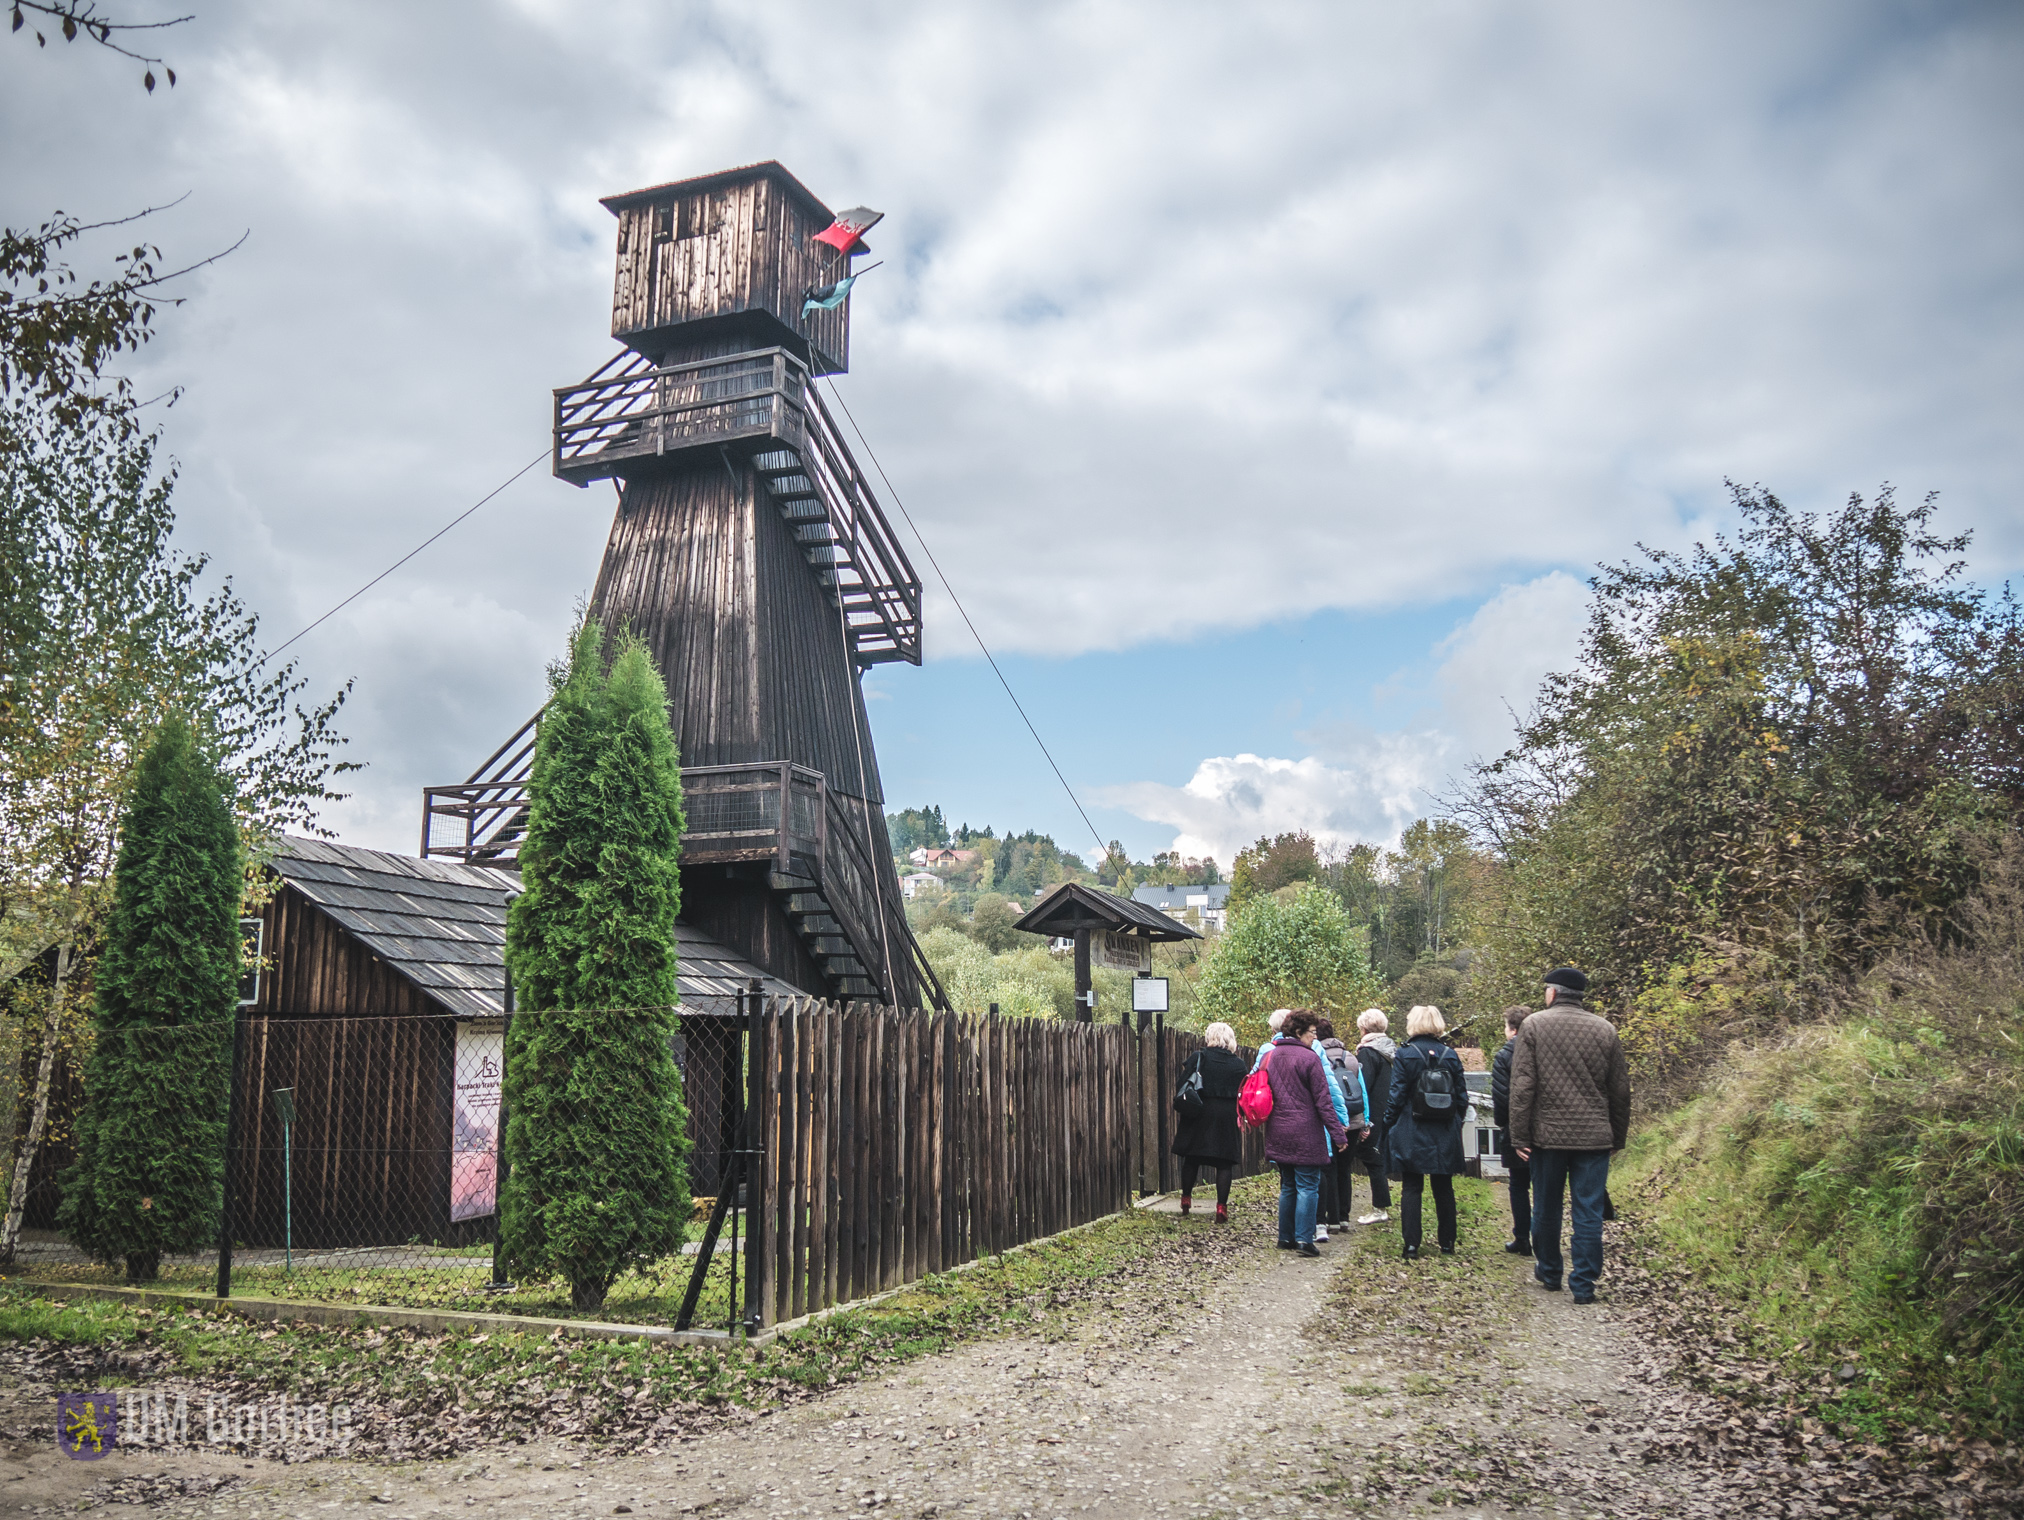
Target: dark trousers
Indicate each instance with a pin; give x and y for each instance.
(1444, 1207)
(1330, 1208)
(1583, 1176)
(1192, 1167)
(1521, 1199)
(1345, 1186)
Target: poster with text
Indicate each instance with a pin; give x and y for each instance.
(474, 1143)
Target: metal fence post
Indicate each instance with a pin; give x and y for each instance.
(755, 1172)
(499, 1284)
(227, 1221)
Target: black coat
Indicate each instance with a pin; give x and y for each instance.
(1434, 1147)
(1212, 1135)
(1377, 1068)
(1500, 1097)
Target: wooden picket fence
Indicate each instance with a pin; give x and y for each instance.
(896, 1143)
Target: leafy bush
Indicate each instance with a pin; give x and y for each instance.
(1295, 948)
(1859, 1185)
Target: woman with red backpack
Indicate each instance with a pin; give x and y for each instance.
(1302, 1130)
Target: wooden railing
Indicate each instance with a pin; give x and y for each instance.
(774, 812)
(634, 409)
(760, 404)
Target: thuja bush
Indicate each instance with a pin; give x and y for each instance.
(596, 1133)
(149, 1173)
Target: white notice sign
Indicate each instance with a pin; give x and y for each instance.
(474, 1139)
(1123, 952)
(1149, 994)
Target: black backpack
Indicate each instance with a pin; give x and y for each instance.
(1188, 1101)
(1434, 1092)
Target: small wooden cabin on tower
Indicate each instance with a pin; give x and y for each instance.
(751, 555)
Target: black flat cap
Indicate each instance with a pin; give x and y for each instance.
(1568, 977)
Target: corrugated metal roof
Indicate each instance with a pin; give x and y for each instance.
(442, 925)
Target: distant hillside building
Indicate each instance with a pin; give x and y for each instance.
(1210, 905)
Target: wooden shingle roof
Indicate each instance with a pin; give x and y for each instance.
(442, 925)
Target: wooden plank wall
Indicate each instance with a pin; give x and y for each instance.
(900, 1143)
(747, 247)
(372, 1138)
(318, 968)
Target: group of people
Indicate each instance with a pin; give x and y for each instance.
(1560, 1094)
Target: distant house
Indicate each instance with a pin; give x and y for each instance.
(930, 858)
(1210, 905)
(920, 881)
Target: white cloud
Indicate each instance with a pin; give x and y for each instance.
(1495, 662)
(1232, 800)
(1368, 787)
(1193, 317)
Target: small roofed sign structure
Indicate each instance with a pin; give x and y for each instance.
(1072, 909)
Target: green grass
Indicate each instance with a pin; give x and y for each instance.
(1118, 1263)
(1854, 1194)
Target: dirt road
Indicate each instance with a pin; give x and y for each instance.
(1264, 1384)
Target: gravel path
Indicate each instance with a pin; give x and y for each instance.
(1223, 1379)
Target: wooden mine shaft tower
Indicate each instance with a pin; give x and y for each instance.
(751, 555)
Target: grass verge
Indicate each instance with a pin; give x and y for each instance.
(416, 1394)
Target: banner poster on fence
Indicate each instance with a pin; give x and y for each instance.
(474, 1142)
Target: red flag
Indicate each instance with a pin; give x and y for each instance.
(850, 226)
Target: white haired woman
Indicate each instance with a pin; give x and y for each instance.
(1206, 1135)
(1426, 1126)
(1375, 1053)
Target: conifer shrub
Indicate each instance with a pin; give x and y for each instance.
(149, 1174)
(596, 1130)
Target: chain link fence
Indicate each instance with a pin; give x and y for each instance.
(364, 1162)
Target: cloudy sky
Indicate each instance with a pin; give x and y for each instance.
(1265, 378)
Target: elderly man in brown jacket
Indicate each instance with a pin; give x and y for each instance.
(1570, 1107)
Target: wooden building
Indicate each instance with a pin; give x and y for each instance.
(750, 553)
(384, 981)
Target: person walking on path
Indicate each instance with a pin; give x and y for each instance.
(1424, 1115)
(1375, 1053)
(1354, 1111)
(1518, 1170)
(1302, 1128)
(1207, 1137)
(1570, 1108)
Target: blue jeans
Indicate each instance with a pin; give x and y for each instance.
(1299, 1202)
(1585, 1176)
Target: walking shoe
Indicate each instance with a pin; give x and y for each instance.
(1187, 1204)
(1310, 1249)
(1222, 1214)
(1517, 1248)
(1287, 1245)
(1550, 1287)
(1412, 1253)
(1447, 1250)
(1378, 1218)
(1584, 1298)
(1321, 1234)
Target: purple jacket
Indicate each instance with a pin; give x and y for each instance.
(1301, 1108)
